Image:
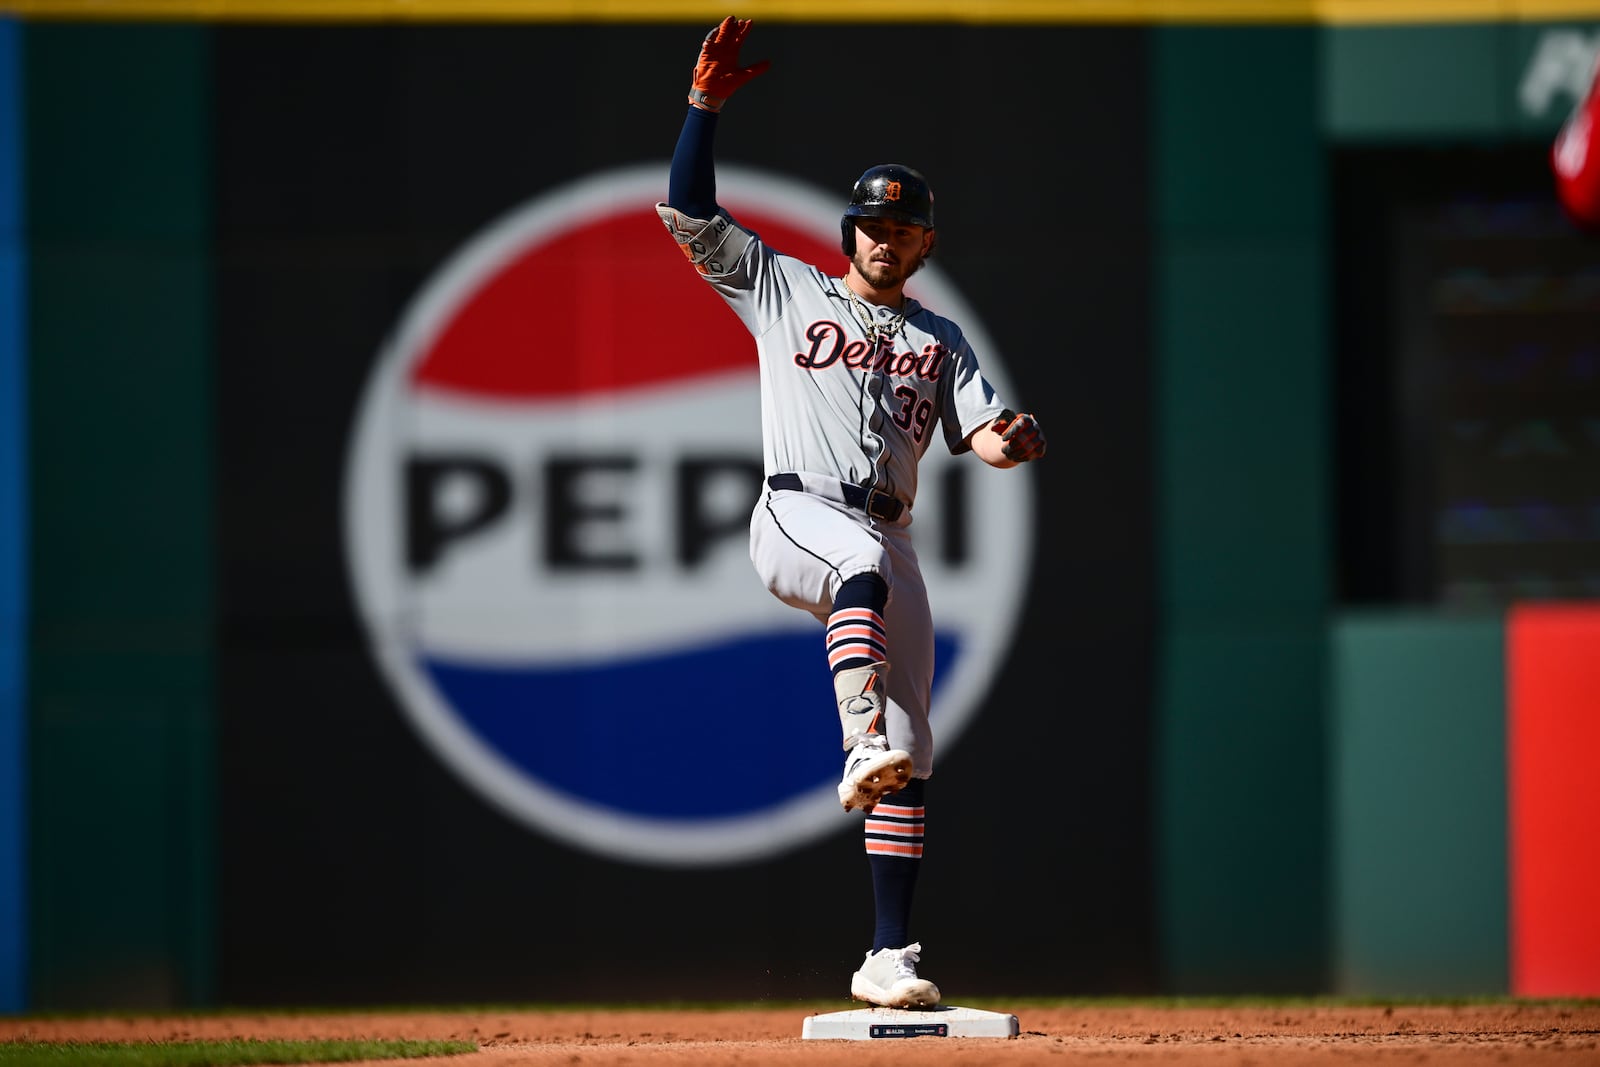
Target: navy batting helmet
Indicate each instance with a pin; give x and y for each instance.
(887, 191)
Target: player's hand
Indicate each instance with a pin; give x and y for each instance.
(718, 74)
(1022, 435)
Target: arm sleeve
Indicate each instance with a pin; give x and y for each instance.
(1575, 159)
(692, 182)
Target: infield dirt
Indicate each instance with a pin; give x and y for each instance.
(1537, 1033)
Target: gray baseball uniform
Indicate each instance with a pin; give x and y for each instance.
(851, 394)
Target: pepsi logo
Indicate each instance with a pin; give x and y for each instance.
(547, 495)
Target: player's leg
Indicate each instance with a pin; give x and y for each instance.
(819, 557)
(805, 548)
(893, 832)
(908, 626)
(858, 653)
(824, 558)
(858, 656)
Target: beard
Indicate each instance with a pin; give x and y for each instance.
(881, 275)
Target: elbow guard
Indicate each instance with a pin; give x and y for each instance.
(713, 245)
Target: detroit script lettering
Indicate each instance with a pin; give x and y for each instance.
(829, 345)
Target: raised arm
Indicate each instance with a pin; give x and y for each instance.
(692, 182)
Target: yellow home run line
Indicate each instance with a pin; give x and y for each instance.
(1330, 12)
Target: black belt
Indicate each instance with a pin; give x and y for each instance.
(878, 505)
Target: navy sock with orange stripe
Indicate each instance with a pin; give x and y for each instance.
(894, 853)
(856, 635)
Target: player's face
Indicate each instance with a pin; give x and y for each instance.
(889, 251)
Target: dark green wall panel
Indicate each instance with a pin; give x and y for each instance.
(120, 658)
(1242, 417)
(1464, 82)
(1242, 495)
(1389, 82)
(1242, 836)
(1419, 804)
(13, 535)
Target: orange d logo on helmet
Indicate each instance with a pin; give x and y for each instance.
(891, 191)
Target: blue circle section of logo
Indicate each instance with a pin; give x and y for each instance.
(660, 737)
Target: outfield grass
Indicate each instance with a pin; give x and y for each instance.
(215, 1053)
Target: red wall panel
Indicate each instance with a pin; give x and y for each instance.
(1553, 717)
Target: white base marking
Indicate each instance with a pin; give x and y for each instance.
(865, 1024)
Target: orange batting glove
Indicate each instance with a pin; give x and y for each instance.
(718, 73)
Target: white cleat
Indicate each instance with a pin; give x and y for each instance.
(889, 979)
(871, 771)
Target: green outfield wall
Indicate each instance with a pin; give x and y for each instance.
(1356, 841)
(1243, 501)
(13, 533)
(1451, 82)
(1418, 804)
(121, 708)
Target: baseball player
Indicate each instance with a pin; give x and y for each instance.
(1575, 158)
(857, 381)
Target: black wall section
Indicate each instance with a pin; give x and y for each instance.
(351, 162)
(1465, 335)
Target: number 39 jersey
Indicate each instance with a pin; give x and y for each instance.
(848, 389)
